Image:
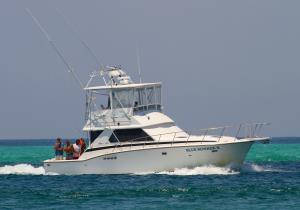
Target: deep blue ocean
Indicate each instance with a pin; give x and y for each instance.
(270, 179)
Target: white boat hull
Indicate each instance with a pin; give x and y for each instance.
(153, 159)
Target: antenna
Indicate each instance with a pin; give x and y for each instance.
(80, 39)
(138, 63)
(43, 30)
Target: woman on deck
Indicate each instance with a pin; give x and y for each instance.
(59, 150)
(69, 150)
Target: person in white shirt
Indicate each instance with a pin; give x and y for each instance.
(76, 147)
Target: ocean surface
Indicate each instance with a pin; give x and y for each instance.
(270, 179)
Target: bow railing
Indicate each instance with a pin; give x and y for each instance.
(241, 131)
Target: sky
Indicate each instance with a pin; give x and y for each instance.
(221, 62)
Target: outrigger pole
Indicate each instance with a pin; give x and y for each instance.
(91, 52)
(80, 39)
(138, 63)
(51, 42)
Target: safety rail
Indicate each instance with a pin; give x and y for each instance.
(241, 131)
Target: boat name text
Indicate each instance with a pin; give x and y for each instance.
(194, 149)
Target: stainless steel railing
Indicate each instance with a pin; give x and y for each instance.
(241, 131)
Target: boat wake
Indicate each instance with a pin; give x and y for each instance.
(251, 167)
(23, 169)
(200, 170)
(215, 170)
(27, 169)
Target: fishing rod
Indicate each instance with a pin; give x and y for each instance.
(59, 53)
(91, 52)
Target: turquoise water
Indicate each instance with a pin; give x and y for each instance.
(270, 179)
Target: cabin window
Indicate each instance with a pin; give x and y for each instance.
(94, 135)
(128, 135)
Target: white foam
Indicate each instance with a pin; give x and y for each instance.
(27, 169)
(251, 167)
(22, 169)
(200, 170)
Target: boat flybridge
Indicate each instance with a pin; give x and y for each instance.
(129, 133)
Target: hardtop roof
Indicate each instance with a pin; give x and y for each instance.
(108, 87)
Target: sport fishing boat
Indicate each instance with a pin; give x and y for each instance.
(129, 133)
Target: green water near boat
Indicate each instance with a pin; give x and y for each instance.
(258, 153)
(269, 179)
(274, 152)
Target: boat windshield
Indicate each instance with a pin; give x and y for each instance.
(137, 99)
(147, 98)
(123, 98)
(97, 100)
(140, 99)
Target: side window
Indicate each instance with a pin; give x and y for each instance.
(128, 135)
(94, 135)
